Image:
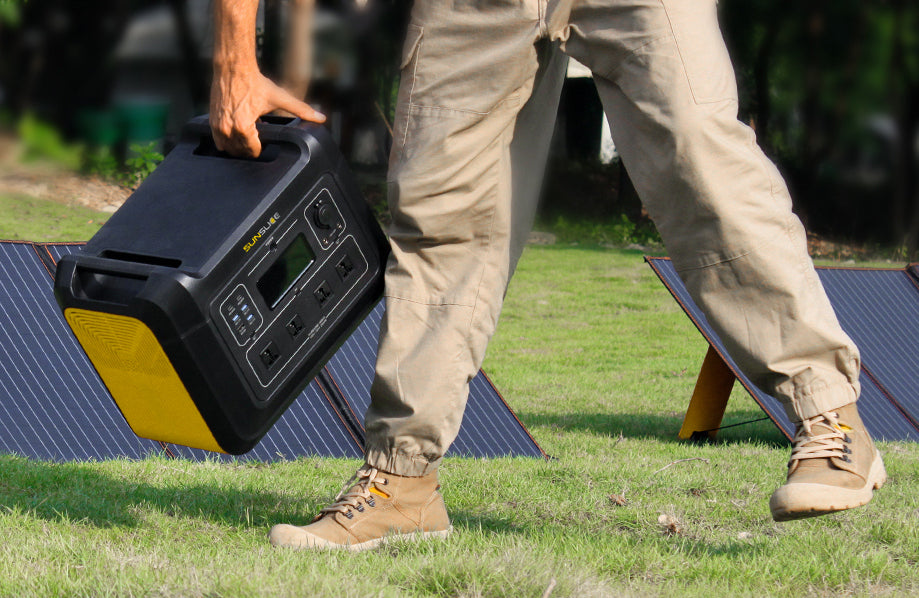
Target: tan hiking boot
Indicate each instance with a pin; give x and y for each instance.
(834, 466)
(378, 508)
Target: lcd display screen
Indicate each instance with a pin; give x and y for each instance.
(285, 271)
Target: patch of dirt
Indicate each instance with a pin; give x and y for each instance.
(49, 181)
(820, 247)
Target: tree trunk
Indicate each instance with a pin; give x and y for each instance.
(194, 73)
(298, 48)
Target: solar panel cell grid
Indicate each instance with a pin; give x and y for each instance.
(881, 417)
(879, 309)
(309, 427)
(59, 250)
(54, 407)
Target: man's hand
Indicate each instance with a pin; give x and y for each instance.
(238, 97)
(240, 93)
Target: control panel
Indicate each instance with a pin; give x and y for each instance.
(294, 286)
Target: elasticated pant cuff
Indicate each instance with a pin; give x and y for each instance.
(400, 463)
(811, 402)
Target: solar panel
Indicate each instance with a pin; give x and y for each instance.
(53, 407)
(56, 408)
(872, 306)
(59, 250)
(489, 429)
(311, 426)
(880, 309)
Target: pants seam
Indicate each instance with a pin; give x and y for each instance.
(513, 101)
(611, 75)
(431, 303)
(411, 93)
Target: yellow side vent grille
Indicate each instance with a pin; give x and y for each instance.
(137, 373)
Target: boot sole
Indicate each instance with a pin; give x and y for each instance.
(798, 501)
(306, 540)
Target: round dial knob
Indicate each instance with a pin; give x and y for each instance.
(324, 216)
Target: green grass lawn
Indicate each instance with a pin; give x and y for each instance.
(599, 363)
(27, 218)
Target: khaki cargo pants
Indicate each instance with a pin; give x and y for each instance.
(477, 99)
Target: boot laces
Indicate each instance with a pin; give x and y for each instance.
(352, 498)
(829, 442)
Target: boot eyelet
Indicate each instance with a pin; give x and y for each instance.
(846, 459)
(846, 450)
(847, 439)
(349, 515)
(371, 502)
(360, 508)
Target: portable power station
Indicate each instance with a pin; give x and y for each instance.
(221, 287)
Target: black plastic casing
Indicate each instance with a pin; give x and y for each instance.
(201, 226)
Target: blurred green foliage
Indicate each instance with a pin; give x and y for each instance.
(42, 141)
(142, 161)
(832, 89)
(10, 13)
(616, 231)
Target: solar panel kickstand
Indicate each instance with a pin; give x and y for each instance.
(709, 398)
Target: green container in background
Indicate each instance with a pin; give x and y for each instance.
(144, 121)
(99, 127)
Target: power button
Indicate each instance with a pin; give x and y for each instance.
(324, 216)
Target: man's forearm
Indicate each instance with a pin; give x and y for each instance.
(239, 92)
(234, 35)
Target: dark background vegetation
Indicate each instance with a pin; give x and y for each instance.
(831, 87)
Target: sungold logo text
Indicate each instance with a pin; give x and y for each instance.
(261, 232)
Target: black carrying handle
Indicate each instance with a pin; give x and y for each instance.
(96, 280)
(273, 131)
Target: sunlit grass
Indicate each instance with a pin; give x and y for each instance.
(599, 363)
(26, 218)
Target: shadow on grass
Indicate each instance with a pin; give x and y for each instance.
(659, 426)
(72, 491)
